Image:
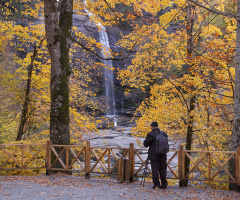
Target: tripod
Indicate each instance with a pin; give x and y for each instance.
(144, 173)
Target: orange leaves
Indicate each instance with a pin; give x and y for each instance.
(216, 35)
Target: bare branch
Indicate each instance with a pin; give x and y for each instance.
(96, 54)
(91, 51)
(214, 10)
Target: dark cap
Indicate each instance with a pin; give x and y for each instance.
(154, 124)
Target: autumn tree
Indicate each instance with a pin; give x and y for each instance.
(25, 110)
(12, 10)
(235, 142)
(27, 39)
(232, 14)
(193, 100)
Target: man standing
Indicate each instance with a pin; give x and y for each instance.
(158, 161)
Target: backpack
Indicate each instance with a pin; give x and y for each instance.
(161, 143)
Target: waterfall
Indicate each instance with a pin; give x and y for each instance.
(109, 70)
(109, 73)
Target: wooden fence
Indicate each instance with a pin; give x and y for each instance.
(204, 165)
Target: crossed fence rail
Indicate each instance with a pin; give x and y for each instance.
(204, 165)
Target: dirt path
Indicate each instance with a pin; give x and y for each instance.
(71, 188)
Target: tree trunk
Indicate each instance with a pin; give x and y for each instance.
(190, 23)
(24, 117)
(58, 25)
(236, 121)
(189, 135)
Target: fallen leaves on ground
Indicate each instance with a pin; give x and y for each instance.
(100, 187)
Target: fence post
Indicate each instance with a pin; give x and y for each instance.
(48, 157)
(209, 166)
(87, 159)
(180, 165)
(132, 161)
(22, 154)
(67, 158)
(238, 169)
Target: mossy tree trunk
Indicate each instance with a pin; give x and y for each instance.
(58, 25)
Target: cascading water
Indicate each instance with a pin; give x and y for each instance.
(109, 70)
(109, 74)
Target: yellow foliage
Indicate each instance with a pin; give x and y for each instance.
(161, 62)
(13, 83)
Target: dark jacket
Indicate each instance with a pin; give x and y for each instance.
(150, 142)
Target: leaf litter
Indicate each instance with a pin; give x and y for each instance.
(60, 186)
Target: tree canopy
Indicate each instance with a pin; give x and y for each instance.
(183, 57)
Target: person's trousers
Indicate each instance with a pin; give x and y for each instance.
(159, 168)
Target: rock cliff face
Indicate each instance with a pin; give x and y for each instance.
(89, 29)
(125, 104)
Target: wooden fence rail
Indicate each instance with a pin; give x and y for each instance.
(15, 155)
(204, 165)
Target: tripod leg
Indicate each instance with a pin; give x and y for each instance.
(144, 175)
